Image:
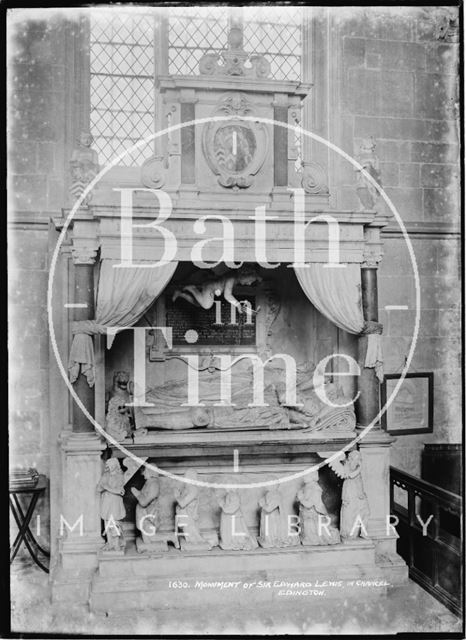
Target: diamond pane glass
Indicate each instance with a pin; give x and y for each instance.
(122, 62)
(275, 32)
(122, 83)
(271, 31)
(192, 32)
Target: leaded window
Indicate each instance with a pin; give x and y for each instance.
(123, 50)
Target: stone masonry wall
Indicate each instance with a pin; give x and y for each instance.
(36, 187)
(398, 84)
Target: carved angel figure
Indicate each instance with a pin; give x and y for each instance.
(111, 487)
(355, 510)
(204, 295)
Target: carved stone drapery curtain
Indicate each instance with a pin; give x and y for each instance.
(336, 293)
(123, 296)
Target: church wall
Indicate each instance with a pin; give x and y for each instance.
(38, 86)
(397, 82)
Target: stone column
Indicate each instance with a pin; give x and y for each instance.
(375, 446)
(367, 405)
(79, 520)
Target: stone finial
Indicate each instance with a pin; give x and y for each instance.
(366, 190)
(233, 60)
(84, 166)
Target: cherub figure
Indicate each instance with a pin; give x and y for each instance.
(204, 295)
(111, 487)
(234, 533)
(355, 510)
(187, 514)
(313, 515)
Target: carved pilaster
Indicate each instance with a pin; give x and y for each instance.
(315, 157)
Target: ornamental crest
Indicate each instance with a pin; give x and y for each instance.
(235, 149)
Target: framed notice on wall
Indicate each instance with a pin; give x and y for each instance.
(411, 410)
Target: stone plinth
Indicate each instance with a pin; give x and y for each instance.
(133, 583)
(80, 519)
(375, 453)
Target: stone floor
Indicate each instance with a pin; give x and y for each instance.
(405, 609)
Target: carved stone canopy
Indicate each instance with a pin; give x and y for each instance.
(234, 61)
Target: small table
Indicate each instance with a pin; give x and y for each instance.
(23, 520)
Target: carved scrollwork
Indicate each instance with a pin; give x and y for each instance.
(153, 172)
(260, 66)
(314, 179)
(372, 257)
(210, 64)
(84, 255)
(234, 61)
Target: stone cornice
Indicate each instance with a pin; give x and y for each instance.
(30, 220)
(232, 83)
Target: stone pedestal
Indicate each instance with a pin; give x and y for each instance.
(79, 529)
(80, 534)
(375, 453)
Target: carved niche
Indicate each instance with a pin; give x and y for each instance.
(235, 149)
